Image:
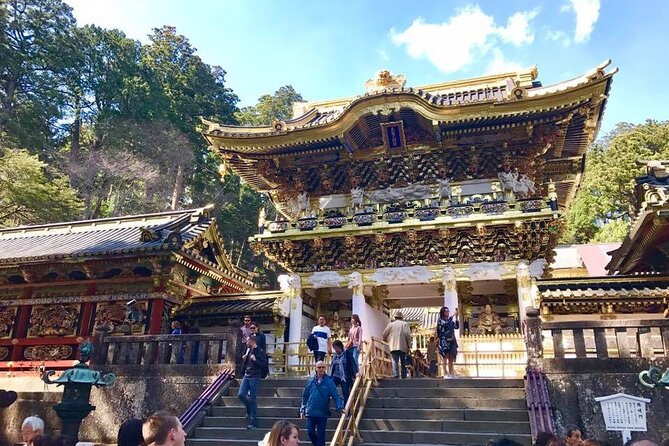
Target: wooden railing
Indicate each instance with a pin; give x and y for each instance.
(624, 338)
(162, 349)
(197, 410)
(291, 359)
(375, 364)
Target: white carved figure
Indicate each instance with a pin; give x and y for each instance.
(524, 186)
(523, 275)
(486, 271)
(445, 189)
(303, 201)
(284, 283)
(357, 197)
(290, 285)
(385, 80)
(508, 180)
(536, 268)
(355, 283)
(326, 279)
(414, 191)
(413, 274)
(448, 278)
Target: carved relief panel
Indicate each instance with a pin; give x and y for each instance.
(7, 318)
(54, 320)
(119, 318)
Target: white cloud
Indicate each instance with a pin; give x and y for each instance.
(558, 36)
(587, 14)
(500, 64)
(517, 30)
(463, 38)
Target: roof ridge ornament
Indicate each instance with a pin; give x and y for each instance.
(385, 80)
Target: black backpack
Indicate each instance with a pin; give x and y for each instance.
(312, 342)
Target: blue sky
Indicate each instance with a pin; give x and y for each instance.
(329, 49)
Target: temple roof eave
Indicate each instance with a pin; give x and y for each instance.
(233, 140)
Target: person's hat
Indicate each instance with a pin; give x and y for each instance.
(399, 315)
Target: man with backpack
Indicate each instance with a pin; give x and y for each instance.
(255, 368)
(316, 404)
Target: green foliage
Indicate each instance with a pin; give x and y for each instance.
(29, 195)
(278, 106)
(602, 209)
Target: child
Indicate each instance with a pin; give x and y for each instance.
(432, 357)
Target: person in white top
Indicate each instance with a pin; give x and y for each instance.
(324, 336)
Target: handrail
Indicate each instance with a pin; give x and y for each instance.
(192, 416)
(375, 365)
(538, 401)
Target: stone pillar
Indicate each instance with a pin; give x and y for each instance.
(450, 290)
(524, 282)
(533, 340)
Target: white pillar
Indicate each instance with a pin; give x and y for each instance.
(450, 290)
(373, 321)
(524, 282)
(291, 285)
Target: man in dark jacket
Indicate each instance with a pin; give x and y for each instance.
(254, 361)
(316, 404)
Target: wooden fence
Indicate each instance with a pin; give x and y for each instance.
(162, 349)
(625, 338)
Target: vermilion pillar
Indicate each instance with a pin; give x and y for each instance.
(156, 317)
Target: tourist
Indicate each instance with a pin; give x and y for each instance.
(398, 335)
(65, 440)
(254, 361)
(176, 328)
(246, 329)
(573, 436)
(324, 336)
(590, 442)
(260, 336)
(31, 428)
(130, 433)
(355, 338)
(448, 345)
(316, 404)
(283, 433)
(546, 439)
(432, 357)
(163, 428)
(343, 368)
(419, 364)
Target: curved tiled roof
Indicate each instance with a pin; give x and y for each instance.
(502, 91)
(110, 236)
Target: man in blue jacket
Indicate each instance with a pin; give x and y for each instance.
(316, 404)
(254, 361)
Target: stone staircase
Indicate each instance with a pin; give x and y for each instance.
(445, 412)
(278, 399)
(398, 412)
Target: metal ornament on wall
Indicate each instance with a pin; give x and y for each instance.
(4, 352)
(654, 378)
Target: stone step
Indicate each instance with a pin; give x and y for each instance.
(227, 433)
(441, 392)
(446, 403)
(278, 412)
(447, 414)
(439, 438)
(460, 426)
(265, 391)
(454, 382)
(263, 422)
(263, 401)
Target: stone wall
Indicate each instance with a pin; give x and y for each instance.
(137, 392)
(574, 384)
